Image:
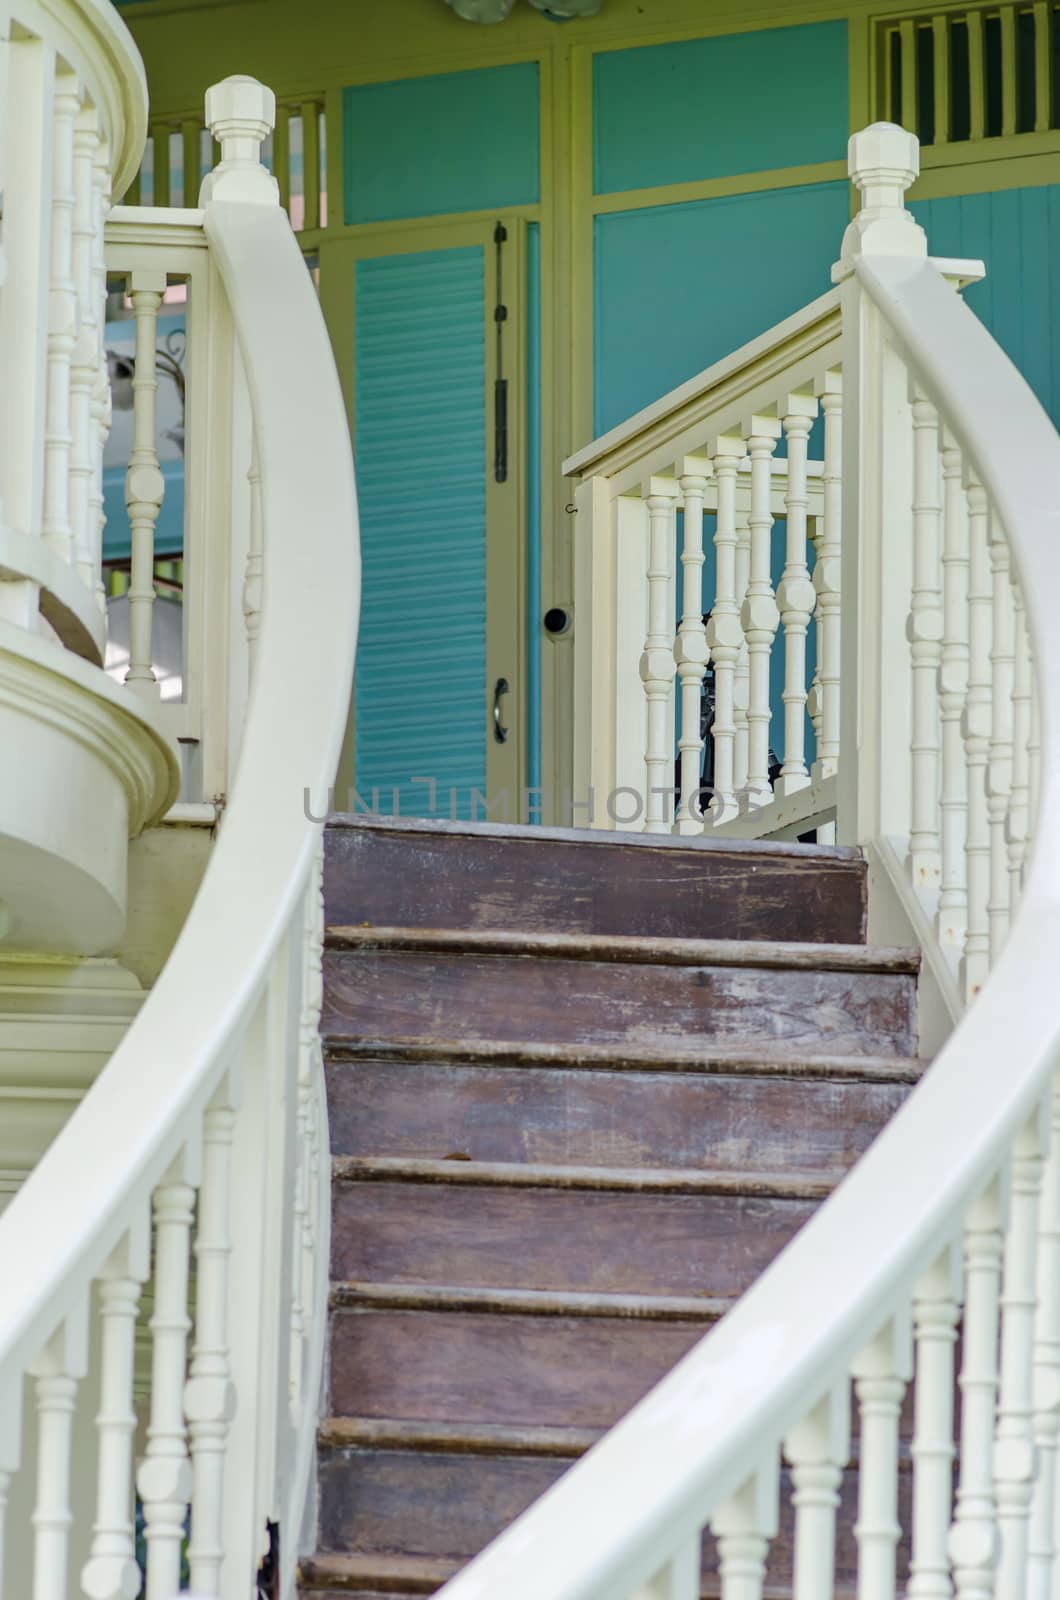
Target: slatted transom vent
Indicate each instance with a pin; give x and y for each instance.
(582, 1089)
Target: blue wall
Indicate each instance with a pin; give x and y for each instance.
(678, 287)
(1017, 233)
(459, 141)
(706, 108)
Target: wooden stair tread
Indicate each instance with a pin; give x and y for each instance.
(628, 948)
(528, 1302)
(777, 1185)
(717, 1059)
(467, 875)
(375, 1573)
(485, 1439)
(532, 833)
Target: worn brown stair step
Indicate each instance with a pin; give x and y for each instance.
(440, 1503)
(540, 1369)
(395, 1578)
(408, 984)
(492, 1111)
(467, 875)
(605, 1231)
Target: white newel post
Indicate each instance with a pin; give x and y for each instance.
(875, 773)
(610, 603)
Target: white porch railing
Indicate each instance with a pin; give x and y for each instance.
(195, 1174)
(951, 552)
(73, 117)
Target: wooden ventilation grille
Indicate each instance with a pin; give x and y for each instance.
(976, 72)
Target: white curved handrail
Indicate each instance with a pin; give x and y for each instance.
(642, 1494)
(75, 1207)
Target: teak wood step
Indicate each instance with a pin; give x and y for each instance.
(659, 1240)
(694, 994)
(467, 875)
(443, 1505)
(541, 1114)
(520, 1369)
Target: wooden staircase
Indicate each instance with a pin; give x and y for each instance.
(582, 1089)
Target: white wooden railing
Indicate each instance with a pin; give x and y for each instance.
(193, 1179)
(73, 118)
(951, 1222)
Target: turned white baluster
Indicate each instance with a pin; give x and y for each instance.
(826, 577)
(56, 1370)
(795, 594)
(759, 616)
(818, 1449)
(999, 765)
(1017, 821)
(742, 692)
(973, 1539)
(62, 322)
(1041, 1540)
(925, 640)
(678, 1579)
(691, 653)
(1014, 1459)
(144, 484)
(165, 1477)
(657, 660)
(111, 1572)
(254, 573)
(936, 1311)
(101, 409)
(743, 1527)
(85, 357)
(209, 1395)
(724, 630)
(976, 731)
(880, 1373)
(953, 688)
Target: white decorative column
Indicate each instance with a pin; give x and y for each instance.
(795, 594)
(724, 630)
(691, 651)
(759, 616)
(657, 658)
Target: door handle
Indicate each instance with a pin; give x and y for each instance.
(500, 689)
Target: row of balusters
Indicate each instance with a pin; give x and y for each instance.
(981, 1337)
(179, 1244)
(975, 746)
(178, 155)
(77, 399)
(737, 478)
(976, 743)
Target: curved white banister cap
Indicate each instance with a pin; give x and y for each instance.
(883, 160)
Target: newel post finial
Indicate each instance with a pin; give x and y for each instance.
(883, 160)
(240, 113)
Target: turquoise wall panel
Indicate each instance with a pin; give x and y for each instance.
(420, 685)
(1017, 233)
(458, 141)
(678, 287)
(706, 108)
